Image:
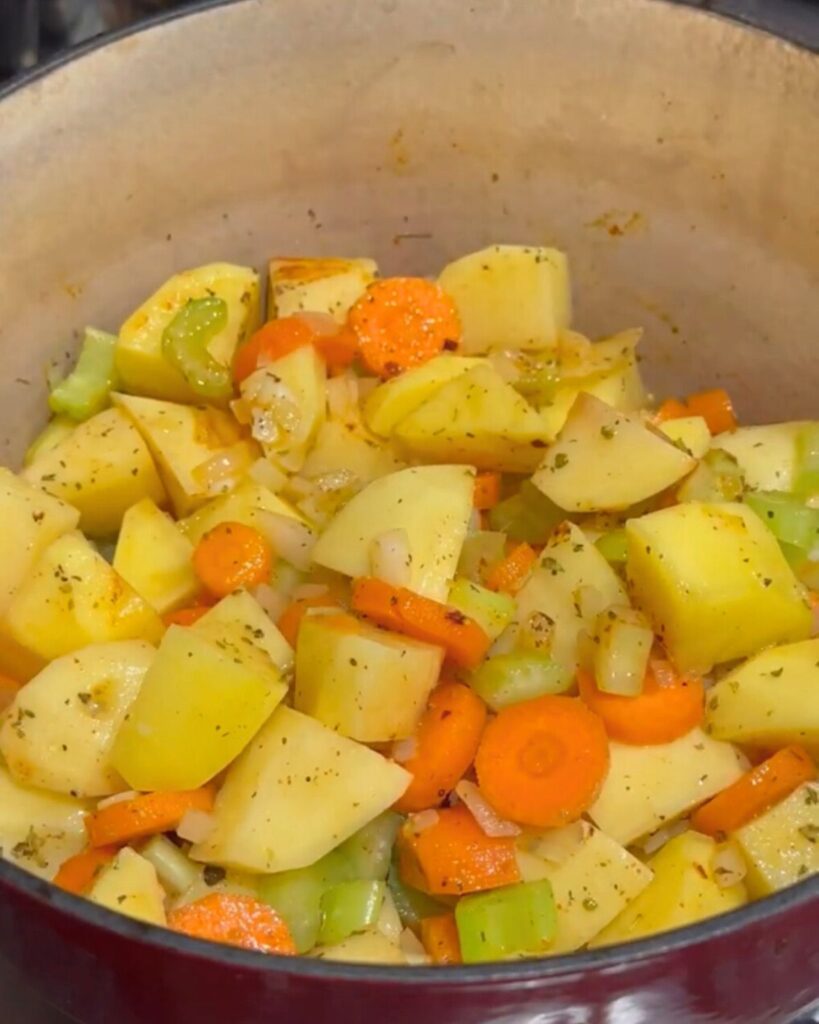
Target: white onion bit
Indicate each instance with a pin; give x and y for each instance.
(729, 866)
(291, 539)
(659, 838)
(558, 844)
(491, 824)
(412, 948)
(271, 601)
(422, 821)
(404, 750)
(117, 798)
(196, 826)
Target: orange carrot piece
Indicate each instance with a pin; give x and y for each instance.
(78, 873)
(671, 409)
(236, 920)
(510, 573)
(145, 815)
(402, 322)
(439, 935)
(185, 616)
(9, 688)
(336, 344)
(660, 714)
(404, 611)
(487, 490)
(230, 556)
(715, 407)
(446, 742)
(542, 762)
(755, 791)
(291, 618)
(454, 856)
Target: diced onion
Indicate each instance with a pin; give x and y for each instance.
(271, 600)
(196, 826)
(729, 866)
(343, 397)
(307, 591)
(117, 798)
(411, 948)
(505, 643)
(224, 470)
(390, 558)
(241, 411)
(558, 844)
(389, 922)
(291, 539)
(659, 838)
(663, 672)
(265, 473)
(404, 750)
(474, 521)
(422, 821)
(491, 824)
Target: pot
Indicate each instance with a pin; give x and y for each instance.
(671, 152)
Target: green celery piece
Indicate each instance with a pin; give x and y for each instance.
(412, 905)
(788, 518)
(492, 611)
(369, 852)
(185, 345)
(85, 391)
(718, 477)
(348, 908)
(511, 678)
(480, 550)
(54, 433)
(806, 477)
(527, 516)
(613, 546)
(176, 871)
(517, 920)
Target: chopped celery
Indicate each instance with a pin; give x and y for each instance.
(613, 546)
(788, 517)
(492, 611)
(185, 345)
(84, 392)
(526, 516)
(412, 905)
(805, 569)
(518, 920)
(806, 477)
(369, 851)
(54, 433)
(621, 652)
(510, 678)
(479, 551)
(348, 908)
(718, 477)
(176, 872)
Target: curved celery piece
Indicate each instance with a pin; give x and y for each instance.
(52, 434)
(613, 546)
(176, 872)
(527, 516)
(517, 920)
(492, 611)
(511, 678)
(85, 391)
(788, 518)
(185, 345)
(806, 477)
(369, 852)
(349, 907)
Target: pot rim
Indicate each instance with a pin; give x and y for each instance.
(612, 959)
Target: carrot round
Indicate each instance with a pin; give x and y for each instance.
(230, 556)
(185, 616)
(660, 714)
(510, 573)
(715, 407)
(145, 815)
(541, 762)
(336, 344)
(402, 322)
(755, 791)
(404, 611)
(439, 934)
(236, 920)
(291, 618)
(487, 490)
(78, 873)
(9, 688)
(446, 742)
(453, 856)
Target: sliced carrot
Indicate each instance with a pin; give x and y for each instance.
(9, 688)
(402, 322)
(542, 762)
(671, 409)
(145, 815)
(453, 855)
(661, 713)
(185, 616)
(439, 934)
(291, 618)
(510, 573)
(404, 611)
(78, 873)
(236, 920)
(230, 556)
(487, 490)
(335, 343)
(755, 791)
(446, 742)
(715, 407)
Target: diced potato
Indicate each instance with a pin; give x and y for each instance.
(476, 418)
(102, 468)
(200, 704)
(72, 598)
(433, 504)
(782, 846)
(510, 296)
(298, 791)
(349, 448)
(38, 829)
(53, 433)
(181, 438)
(766, 454)
(395, 399)
(317, 285)
(647, 787)
(689, 431)
(684, 890)
(141, 366)
(59, 731)
(771, 700)
(31, 521)
(585, 469)
(240, 619)
(714, 583)
(129, 885)
(154, 557)
(591, 887)
(369, 947)
(363, 682)
(240, 506)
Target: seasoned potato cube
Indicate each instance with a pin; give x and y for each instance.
(349, 448)
(766, 454)
(691, 432)
(244, 505)
(241, 620)
(317, 285)
(129, 885)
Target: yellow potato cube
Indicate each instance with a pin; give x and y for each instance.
(395, 399)
(240, 620)
(317, 285)
(129, 885)
(244, 505)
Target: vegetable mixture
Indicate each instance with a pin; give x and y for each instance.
(405, 626)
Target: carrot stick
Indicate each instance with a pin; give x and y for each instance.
(541, 762)
(510, 573)
(660, 714)
(402, 322)
(230, 556)
(185, 616)
(145, 815)
(671, 409)
(78, 873)
(487, 490)
(291, 618)
(236, 920)
(446, 741)
(755, 791)
(336, 344)
(715, 408)
(439, 935)
(453, 855)
(404, 611)
(9, 688)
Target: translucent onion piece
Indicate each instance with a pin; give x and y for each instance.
(196, 826)
(273, 602)
(490, 823)
(265, 473)
(651, 844)
(117, 798)
(291, 539)
(422, 821)
(404, 750)
(558, 844)
(729, 866)
(224, 470)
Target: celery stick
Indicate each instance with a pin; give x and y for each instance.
(84, 392)
(412, 906)
(613, 546)
(806, 477)
(369, 851)
(54, 433)
(510, 678)
(788, 517)
(526, 516)
(348, 908)
(518, 920)
(176, 872)
(492, 611)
